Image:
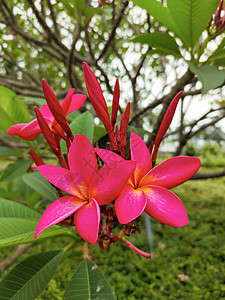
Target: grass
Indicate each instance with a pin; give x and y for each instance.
(197, 250)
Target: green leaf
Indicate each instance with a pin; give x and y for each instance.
(13, 171)
(14, 231)
(36, 181)
(83, 124)
(7, 151)
(210, 76)
(219, 52)
(158, 11)
(13, 209)
(191, 18)
(99, 132)
(90, 11)
(12, 109)
(31, 276)
(88, 282)
(220, 62)
(161, 41)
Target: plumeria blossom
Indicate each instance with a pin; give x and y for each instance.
(147, 188)
(87, 187)
(30, 131)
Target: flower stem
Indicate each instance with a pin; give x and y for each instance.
(85, 249)
(70, 245)
(135, 249)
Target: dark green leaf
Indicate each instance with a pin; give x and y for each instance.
(87, 283)
(220, 62)
(210, 76)
(99, 132)
(191, 18)
(161, 41)
(30, 277)
(90, 11)
(12, 109)
(36, 181)
(13, 171)
(12, 209)
(83, 124)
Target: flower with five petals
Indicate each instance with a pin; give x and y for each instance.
(87, 187)
(147, 188)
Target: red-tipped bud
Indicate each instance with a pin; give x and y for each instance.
(56, 108)
(151, 147)
(123, 130)
(96, 97)
(46, 132)
(38, 161)
(115, 104)
(165, 123)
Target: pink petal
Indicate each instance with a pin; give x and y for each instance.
(46, 113)
(58, 211)
(110, 180)
(87, 221)
(15, 129)
(140, 154)
(130, 204)
(82, 158)
(62, 179)
(164, 206)
(30, 131)
(108, 156)
(67, 101)
(172, 172)
(76, 102)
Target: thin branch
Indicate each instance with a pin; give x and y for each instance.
(112, 34)
(12, 258)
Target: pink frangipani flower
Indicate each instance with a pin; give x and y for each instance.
(87, 188)
(147, 188)
(30, 131)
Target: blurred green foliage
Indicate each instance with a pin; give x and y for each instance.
(197, 250)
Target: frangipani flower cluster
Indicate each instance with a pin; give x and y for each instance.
(89, 192)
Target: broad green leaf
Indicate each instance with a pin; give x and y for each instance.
(13, 171)
(99, 132)
(191, 18)
(7, 151)
(83, 124)
(158, 11)
(210, 76)
(161, 41)
(30, 277)
(13, 209)
(12, 109)
(14, 231)
(88, 282)
(36, 181)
